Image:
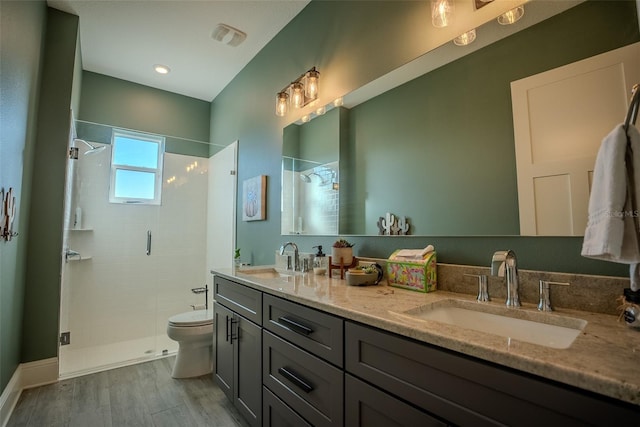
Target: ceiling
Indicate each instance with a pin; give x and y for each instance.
(125, 39)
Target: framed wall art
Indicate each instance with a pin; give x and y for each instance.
(254, 204)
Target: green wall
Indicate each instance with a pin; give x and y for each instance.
(20, 63)
(343, 39)
(446, 138)
(44, 254)
(115, 102)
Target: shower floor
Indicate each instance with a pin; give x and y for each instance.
(85, 360)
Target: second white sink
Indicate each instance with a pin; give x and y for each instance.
(549, 330)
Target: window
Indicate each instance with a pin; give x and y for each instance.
(136, 168)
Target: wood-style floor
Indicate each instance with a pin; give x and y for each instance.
(136, 395)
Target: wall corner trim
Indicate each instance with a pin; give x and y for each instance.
(27, 375)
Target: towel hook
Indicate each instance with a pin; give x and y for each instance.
(632, 114)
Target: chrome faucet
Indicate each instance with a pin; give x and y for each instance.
(504, 264)
(296, 255)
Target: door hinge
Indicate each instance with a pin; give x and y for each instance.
(65, 338)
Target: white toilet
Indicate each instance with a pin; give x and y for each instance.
(194, 332)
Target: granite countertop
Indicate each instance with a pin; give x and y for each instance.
(604, 358)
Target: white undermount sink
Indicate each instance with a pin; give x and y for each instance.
(269, 273)
(546, 329)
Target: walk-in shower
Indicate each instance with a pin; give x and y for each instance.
(116, 295)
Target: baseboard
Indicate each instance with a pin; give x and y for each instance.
(39, 373)
(27, 375)
(10, 396)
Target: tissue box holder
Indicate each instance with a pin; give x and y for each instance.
(415, 275)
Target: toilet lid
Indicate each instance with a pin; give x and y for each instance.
(192, 318)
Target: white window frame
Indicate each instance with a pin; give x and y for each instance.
(157, 139)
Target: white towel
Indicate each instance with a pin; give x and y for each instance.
(610, 233)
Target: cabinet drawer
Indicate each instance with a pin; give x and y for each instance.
(367, 406)
(310, 386)
(277, 414)
(242, 299)
(319, 333)
(467, 391)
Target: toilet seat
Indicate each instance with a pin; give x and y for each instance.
(192, 318)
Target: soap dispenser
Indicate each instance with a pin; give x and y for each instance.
(320, 263)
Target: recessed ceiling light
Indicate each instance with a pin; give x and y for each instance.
(161, 69)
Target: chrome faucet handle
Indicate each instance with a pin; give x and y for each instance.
(545, 294)
(483, 289)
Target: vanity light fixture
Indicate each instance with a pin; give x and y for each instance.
(299, 93)
(321, 110)
(338, 102)
(465, 38)
(442, 12)
(161, 69)
(511, 16)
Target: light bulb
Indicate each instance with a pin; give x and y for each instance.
(442, 12)
(297, 95)
(511, 16)
(282, 99)
(338, 102)
(465, 38)
(320, 111)
(305, 118)
(312, 84)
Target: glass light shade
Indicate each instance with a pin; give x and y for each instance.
(312, 84)
(511, 16)
(465, 38)
(442, 12)
(282, 101)
(297, 95)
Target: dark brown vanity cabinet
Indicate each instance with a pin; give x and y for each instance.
(302, 364)
(467, 391)
(285, 364)
(238, 346)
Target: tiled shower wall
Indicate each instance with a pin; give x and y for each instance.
(117, 292)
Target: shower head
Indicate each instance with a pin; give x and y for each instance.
(92, 148)
(307, 177)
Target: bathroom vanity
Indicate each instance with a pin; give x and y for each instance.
(339, 355)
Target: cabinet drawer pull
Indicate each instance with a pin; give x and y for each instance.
(295, 326)
(229, 331)
(294, 378)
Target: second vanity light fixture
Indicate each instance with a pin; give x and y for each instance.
(299, 93)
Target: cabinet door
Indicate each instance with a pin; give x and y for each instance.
(365, 405)
(223, 349)
(248, 374)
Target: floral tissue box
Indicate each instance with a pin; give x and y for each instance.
(418, 275)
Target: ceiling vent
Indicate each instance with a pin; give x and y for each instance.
(227, 34)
